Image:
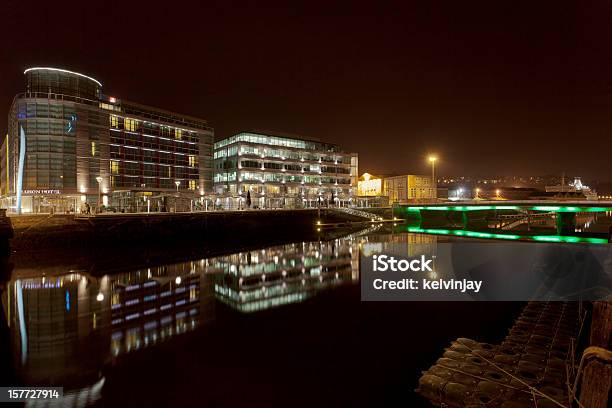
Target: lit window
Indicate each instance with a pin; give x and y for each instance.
(93, 149)
(114, 167)
(178, 134)
(114, 121)
(130, 124)
(192, 161)
(192, 184)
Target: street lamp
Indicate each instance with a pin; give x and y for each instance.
(497, 193)
(432, 160)
(99, 180)
(477, 191)
(177, 183)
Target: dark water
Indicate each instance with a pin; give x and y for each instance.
(276, 327)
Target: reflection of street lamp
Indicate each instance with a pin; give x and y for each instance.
(432, 160)
(99, 180)
(177, 183)
(100, 297)
(477, 191)
(497, 193)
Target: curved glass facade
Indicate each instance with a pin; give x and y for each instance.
(84, 149)
(57, 81)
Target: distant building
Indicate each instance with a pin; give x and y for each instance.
(369, 186)
(282, 172)
(370, 191)
(409, 187)
(80, 146)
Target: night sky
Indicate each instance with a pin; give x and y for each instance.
(492, 87)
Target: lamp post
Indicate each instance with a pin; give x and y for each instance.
(477, 191)
(177, 183)
(432, 160)
(99, 180)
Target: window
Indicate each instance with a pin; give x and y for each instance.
(192, 161)
(93, 149)
(178, 134)
(130, 124)
(192, 184)
(114, 167)
(114, 121)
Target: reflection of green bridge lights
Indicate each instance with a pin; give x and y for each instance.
(548, 208)
(464, 208)
(514, 237)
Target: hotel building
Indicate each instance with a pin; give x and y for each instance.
(69, 144)
(282, 172)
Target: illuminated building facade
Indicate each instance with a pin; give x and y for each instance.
(369, 186)
(401, 189)
(84, 147)
(370, 191)
(282, 172)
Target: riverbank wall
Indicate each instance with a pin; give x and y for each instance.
(37, 240)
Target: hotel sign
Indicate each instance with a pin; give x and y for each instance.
(41, 192)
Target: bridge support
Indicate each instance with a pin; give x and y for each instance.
(434, 219)
(474, 220)
(566, 223)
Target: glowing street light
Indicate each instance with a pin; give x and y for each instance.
(99, 180)
(432, 159)
(477, 191)
(497, 193)
(177, 183)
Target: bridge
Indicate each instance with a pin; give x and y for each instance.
(474, 214)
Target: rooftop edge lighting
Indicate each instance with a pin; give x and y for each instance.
(63, 70)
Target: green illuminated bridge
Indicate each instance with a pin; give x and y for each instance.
(475, 216)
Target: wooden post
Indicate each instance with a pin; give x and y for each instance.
(597, 376)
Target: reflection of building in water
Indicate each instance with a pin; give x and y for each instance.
(66, 327)
(400, 244)
(257, 280)
(148, 306)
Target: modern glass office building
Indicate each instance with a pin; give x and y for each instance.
(80, 146)
(282, 172)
